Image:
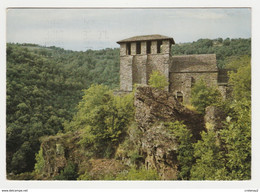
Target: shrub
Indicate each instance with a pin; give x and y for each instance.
(68, 173)
(185, 148)
(104, 119)
(203, 96)
(40, 162)
(158, 80)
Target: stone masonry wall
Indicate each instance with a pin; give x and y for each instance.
(126, 78)
(133, 48)
(140, 69)
(154, 47)
(166, 47)
(123, 49)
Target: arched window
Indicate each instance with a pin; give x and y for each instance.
(179, 96)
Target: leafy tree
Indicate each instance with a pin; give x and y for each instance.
(226, 42)
(236, 137)
(209, 159)
(104, 119)
(241, 79)
(158, 80)
(203, 96)
(185, 148)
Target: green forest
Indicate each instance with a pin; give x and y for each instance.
(56, 93)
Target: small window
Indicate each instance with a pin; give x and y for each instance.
(148, 47)
(159, 45)
(138, 47)
(128, 48)
(179, 96)
(192, 81)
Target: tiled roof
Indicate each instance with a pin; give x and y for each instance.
(146, 38)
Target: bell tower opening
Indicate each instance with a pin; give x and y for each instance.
(148, 47)
(138, 47)
(159, 45)
(128, 49)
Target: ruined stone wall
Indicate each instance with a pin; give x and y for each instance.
(183, 82)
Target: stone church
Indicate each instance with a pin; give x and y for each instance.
(140, 55)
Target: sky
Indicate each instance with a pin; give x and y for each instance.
(82, 29)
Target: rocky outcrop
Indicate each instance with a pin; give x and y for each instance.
(153, 107)
(159, 148)
(58, 150)
(63, 148)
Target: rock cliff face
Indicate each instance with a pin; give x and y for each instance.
(58, 150)
(154, 106)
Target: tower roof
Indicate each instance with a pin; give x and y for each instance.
(147, 38)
